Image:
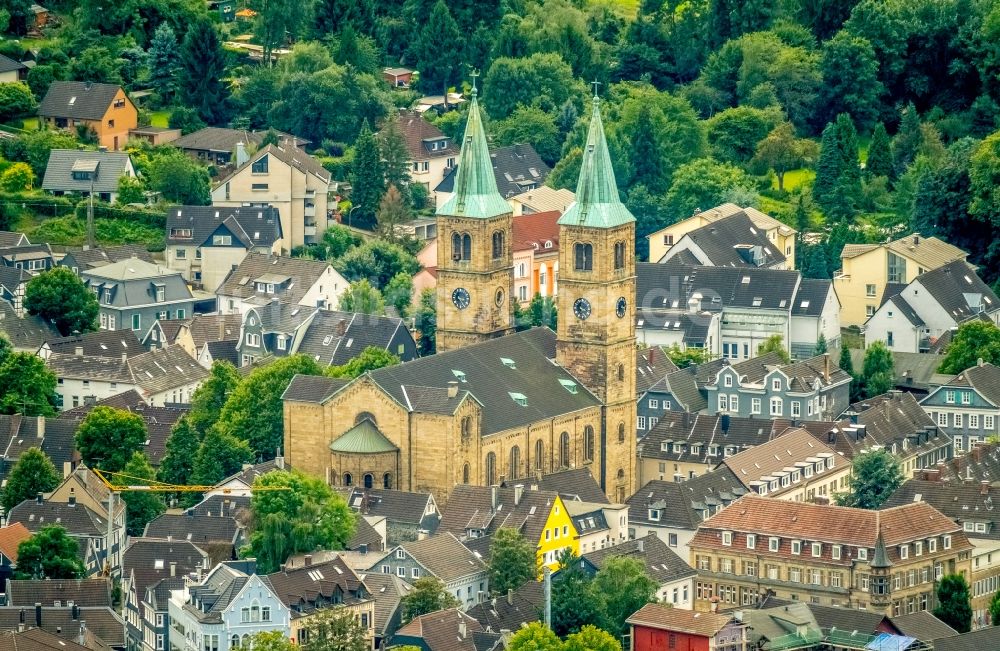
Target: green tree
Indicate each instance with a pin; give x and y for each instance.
(164, 63)
(427, 596)
(984, 175)
(335, 629)
(202, 69)
(531, 125)
(177, 466)
(845, 362)
(269, 641)
(703, 184)
(875, 475)
(543, 80)
(879, 161)
(58, 295)
(687, 357)
(49, 554)
(6, 349)
(367, 174)
(735, 132)
(995, 609)
(377, 261)
(18, 177)
(426, 322)
(209, 398)
(34, 147)
(591, 638)
(542, 311)
(878, 371)
(276, 22)
(395, 157)
(307, 517)
(850, 79)
(512, 561)
(393, 211)
(361, 297)
(15, 100)
(906, 142)
(828, 165)
(255, 410)
(186, 119)
(29, 386)
(780, 151)
(32, 474)
(575, 603)
(439, 67)
(179, 179)
(954, 602)
(336, 241)
(399, 293)
(625, 587)
(107, 437)
(974, 341)
(535, 637)
(130, 190)
(820, 345)
(774, 344)
(219, 456)
(370, 359)
(141, 506)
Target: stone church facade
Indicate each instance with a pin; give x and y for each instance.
(495, 405)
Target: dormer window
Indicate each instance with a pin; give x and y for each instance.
(776, 384)
(222, 240)
(259, 166)
(654, 515)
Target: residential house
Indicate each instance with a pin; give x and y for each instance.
(442, 556)
(388, 591)
(19, 434)
(213, 525)
(795, 466)
(11, 70)
(84, 259)
(672, 511)
(508, 613)
(11, 537)
(25, 333)
(79, 172)
(730, 242)
(260, 279)
(103, 343)
(104, 109)
(536, 255)
(886, 561)
(286, 178)
(984, 638)
(686, 328)
(155, 136)
(517, 169)
(446, 630)
(206, 337)
(205, 243)
(431, 153)
(970, 505)
(224, 147)
(145, 563)
(222, 612)
(935, 302)
(398, 77)
(330, 337)
(36, 639)
(915, 373)
(97, 628)
(811, 389)
(652, 368)
(968, 405)
(672, 574)
(33, 258)
(408, 516)
(541, 199)
(815, 318)
(10, 239)
(133, 294)
(598, 525)
(676, 391)
(246, 477)
(12, 285)
(660, 626)
(572, 485)
(867, 269)
(161, 376)
(310, 590)
(782, 237)
(895, 421)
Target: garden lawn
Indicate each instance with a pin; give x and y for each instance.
(159, 119)
(795, 178)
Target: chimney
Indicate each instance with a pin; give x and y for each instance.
(714, 605)
(518, 493)
(308, 560)
(241, 153)
(826, 367)
(275, 310)
(649, 356)
(341, 327)
(40, 424)
(984, 487)
(461, 627)
(510, 596)
(222, 328)
(694, 303)
(916, 239)
(38, 614)
(124, 356)
(173, 568)
(75, 610)
(38, 497)
(724, 424)
(979, 362)
(279, 460)
(977, 453)
(640, 545)
(494, 498)
(83, 633)
(452, 389)
(78, 351)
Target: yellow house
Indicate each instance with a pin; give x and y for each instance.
(866, 269)
(782, 236)
(557, 535)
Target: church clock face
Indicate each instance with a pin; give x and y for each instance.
(461, 298)
(581, 308)
(620, 307)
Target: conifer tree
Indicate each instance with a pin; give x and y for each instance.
(879, 161)
(828, 166)
(439, 66)
(907, 140)
(164, 63)
(367, 175)
(203, 65)
(32, 474)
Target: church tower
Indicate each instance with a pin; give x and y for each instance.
(596, 326)
(475, 279)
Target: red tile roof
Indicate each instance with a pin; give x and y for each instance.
(536, 229)
(12, 536)
(665, 618)
(416, 130)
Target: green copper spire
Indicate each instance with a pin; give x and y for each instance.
(476, 193)
(597, 203)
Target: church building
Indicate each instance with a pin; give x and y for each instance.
(493, 404)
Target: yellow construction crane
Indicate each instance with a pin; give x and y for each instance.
(154, 486)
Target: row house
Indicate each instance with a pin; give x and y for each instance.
(261, 279)
(968, 405)
(887, 561)
(133, 294)
(896, 422)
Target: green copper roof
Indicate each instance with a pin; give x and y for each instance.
(363, 438)
(597, 202)
(476, 193)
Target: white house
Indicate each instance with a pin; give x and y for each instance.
(261, 279)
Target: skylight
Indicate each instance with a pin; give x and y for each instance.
(757, 300)
(508, 362)
(569, 385)
(458, 374)
(746, 280)
(519, 398)
(805, 304)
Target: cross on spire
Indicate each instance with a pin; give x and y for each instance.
(595, 84)
(474, 74)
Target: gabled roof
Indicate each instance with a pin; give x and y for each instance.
(217, 139)
(103, 343)
(676, 436)
(984, 378)
(251, 226)
(984, 638)
(101, 256)
(471, 508)
(105, 628)
(388, 591)
(131, 269)
(25, 333)
(302, 272)
(693, 327)
(441, 631)
(811, 297)
(928, 252)
(291, 156)
(665, 618)
(198, 529)
(683, 505)
(715, 287)
(535, 231)
(444, 557)
(365, 536)
(155, 371)
(515, 168)
(652, 366)
(801, 374)
(150, 560)
(959, 291)
(82, 592)
(78, 519)
(597, 202)
(544, 199)
(12, 238)
(511, 611)
(10, 537)
(661, 563)
(306, 588)
(10, 65)
(111, 165)
(576, 484)
(683, 385)
(36, 639)
(78, 100)
(730, 242)
(961, 501)
(771, 459)
(923, 625)
(334, 338)
(421, 136)
(912, 370)
(313, 388)
(396, 506)
(475, 193)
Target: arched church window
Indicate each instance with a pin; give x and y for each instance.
(498, 245)
(619, 255)
(348, 480)
(583, 256)
(466, 246)
(369, 480)
(456, 246)
(539, 455)
(365, 415)
(621, 372)
(491, 469)
(588, 443)
(466, 426)
(465, 474)
(387, 480)
(564, 450)
(515, 462)
(621, 474)
(621, 432)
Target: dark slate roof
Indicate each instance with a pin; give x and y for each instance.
(58, 171)
(365, 536)
(492, 382)
(82, 592)
(402, 507)
(683, 385)
(984, 638)
(694, 326)
(313, 388)
(652, 365)
(77, 519)
(10, 65)
(26, 333)
(18, 433)
(723, 240)
(672, 284)
(811, 297)
(252, 226)
(103, 343)
(102, 622)
(923, 626)
(801, 374)
(511, 611)
(913, 371)
(102, 256)
(960, 501)
(199, 529)
(985, 379)
(36, 639)
(444, 557)
(206, 328)
(40, 251)
(13, 277)
(12, 238)
(471, 507)
(388, 590)
(893, 417)
(949, 285)
(222, 140)
(155, 371)
(662, 564)
(574, 484)
(305, 587)
(517, 169)
(302, 272)
(224, 351)
(79, 100)
(149, 561)
(335, 338)
(439, 631)
(686, 437)
(847, 619)
(901, 304)
(682, 504)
